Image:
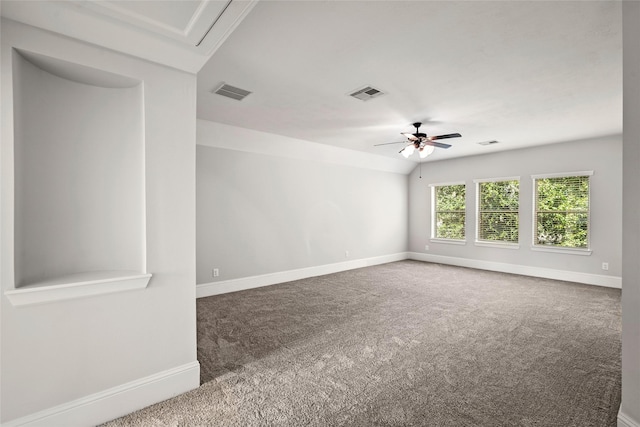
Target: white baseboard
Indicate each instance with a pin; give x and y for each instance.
(547, 273)
(117, 401)
(626, 421)
(234, 285)
(241, 284)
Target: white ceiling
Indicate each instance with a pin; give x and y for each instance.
(522, 73)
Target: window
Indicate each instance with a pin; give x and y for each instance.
(448, 211)
(498, 202)
(562, 210)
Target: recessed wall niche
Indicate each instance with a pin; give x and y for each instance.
(79, 173)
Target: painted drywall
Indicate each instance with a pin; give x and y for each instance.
(56, 353)
(630, 407)
(79, 176)
(260, 214)
(603, 156)
(219, 135)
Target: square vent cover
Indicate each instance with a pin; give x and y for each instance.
(366, 93)
(231, 92)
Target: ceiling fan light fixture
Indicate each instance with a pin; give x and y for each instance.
(422, 142)
(426, 150)
(408, 151)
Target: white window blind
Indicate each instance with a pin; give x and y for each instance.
(562, 211)
(449, 211)
(498, 204)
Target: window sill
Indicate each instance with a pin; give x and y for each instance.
(77, 286)
(449, 241)
(501, 245)
(560, 250)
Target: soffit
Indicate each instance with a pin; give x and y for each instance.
(180, 34)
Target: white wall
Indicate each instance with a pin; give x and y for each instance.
(262, 213)
(100, 349)
(601, 155)
(630, 408)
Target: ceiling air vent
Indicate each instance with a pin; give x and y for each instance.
(231, 92)
(488, 142)
(366, 93)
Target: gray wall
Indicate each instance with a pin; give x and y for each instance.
(58, 352)
(631, 218)
(602, 155)
(259, 214)
(79, 152)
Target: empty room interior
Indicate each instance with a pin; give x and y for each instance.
(262, 212)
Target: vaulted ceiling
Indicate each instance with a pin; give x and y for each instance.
(523, 73)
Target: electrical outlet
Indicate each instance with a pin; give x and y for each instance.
(346, 254)
(426, 247)
(605, 265)
(215, 272)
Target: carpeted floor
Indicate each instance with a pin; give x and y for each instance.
(404, 344)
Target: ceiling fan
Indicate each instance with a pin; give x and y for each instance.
(421, 142)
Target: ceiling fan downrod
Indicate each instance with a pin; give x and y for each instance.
(418, 134)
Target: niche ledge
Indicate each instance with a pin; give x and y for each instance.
(78, 286)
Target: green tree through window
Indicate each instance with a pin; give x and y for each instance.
(562, 211)
(498, 204)
(449, 212)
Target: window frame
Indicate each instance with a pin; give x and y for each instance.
(534, 219)
(495, 243)
(433, 237)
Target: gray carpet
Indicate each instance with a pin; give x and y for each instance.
(404, 344)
